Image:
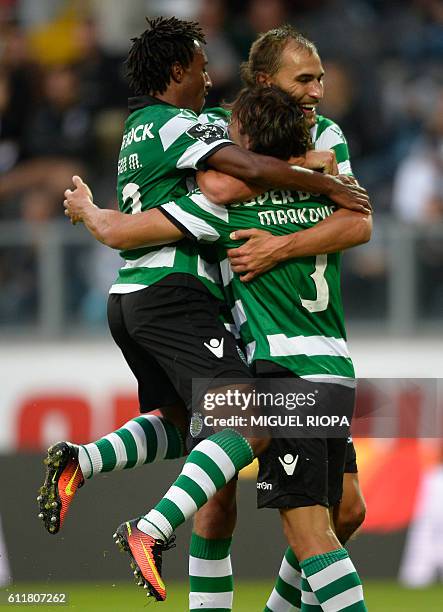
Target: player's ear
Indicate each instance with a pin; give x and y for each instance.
(263, 79)
(177, 72)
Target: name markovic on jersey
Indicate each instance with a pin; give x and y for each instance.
(280, 216)
(298, 216)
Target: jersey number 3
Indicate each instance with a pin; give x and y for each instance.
(131, 190)
(321, 286)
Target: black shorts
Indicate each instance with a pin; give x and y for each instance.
(302, 472)
(170, 335)
(351, 458)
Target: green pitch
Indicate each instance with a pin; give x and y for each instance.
(249, 597)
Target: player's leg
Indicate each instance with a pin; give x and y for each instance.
(286, 469)
(330, 573)
(147, 438)
(350, 512)
(286, 594)
(209, 467)
(183, 326)
(144, 439)
(285, 597)
(348, 515)
(329, 578)
(210, 569)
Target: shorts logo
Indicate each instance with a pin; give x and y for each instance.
(289, 463)
(215, 346)
(196, 425)
(264, 486)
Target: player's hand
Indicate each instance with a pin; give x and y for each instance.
(348, 180)
(259, 254)
(347, 193)
(325, 161)
(76, 201)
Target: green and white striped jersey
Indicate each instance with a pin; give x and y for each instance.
(325, 134)
(293, 314)
(161, 145)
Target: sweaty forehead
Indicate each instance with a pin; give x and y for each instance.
(300, 60)
(199, 51)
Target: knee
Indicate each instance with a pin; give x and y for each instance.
(215, 522)
(309, 536)
(300, 540)
(313, 543)
(350, 519)
(356, 515)
(222, 507)
(176, 415)
(217, 518)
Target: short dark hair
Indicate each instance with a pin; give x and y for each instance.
(265, 52)
(153, 53)
(271, 119)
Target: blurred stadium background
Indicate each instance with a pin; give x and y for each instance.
(62, 106)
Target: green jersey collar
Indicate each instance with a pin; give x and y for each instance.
(138, 102)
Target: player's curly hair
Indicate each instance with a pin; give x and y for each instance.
(265, 52)
(273, 122)
(153, 53)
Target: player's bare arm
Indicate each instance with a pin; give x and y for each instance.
(115, 229)
(264, 171)
(262, 251)
(224, 189)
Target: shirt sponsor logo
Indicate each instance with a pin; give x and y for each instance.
(264, 486)
(137, 134)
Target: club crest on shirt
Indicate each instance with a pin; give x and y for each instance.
(196, 425)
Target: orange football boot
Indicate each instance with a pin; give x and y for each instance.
(146, 557)
(63, 477)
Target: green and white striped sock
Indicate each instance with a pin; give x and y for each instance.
(145, 439)
(211, 465)
(210, 575)
(309, 601)
(286, 596)
(335, 582)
